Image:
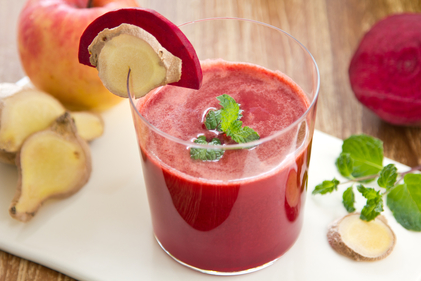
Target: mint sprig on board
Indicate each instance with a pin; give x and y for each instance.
(361, 161)
(404, 201)
(225, 120)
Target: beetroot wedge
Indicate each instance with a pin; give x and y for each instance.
(167, 34)
(385, 71)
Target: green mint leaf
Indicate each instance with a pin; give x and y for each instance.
(348, 199)
(366, 153)
(345, 165)
(374, 205)
(248, 134)
(230, 111)
(326, 187)
(215, 141)
(234, 129)
(206, 154)
(201, 140)
(405, 202)
(241, 134)
(227, 120)
(213, 120)
(388, 176)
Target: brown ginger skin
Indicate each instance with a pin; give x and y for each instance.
(7, 157)
(51, 183)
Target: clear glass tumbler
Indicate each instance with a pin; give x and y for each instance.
(232, 223)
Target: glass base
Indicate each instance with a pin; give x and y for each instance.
(213, 272)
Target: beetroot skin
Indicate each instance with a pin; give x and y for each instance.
(385, 71)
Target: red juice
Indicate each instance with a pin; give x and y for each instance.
(246, 209)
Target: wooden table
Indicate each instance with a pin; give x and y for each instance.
(331, 29)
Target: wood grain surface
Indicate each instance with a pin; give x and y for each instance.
(330, 29)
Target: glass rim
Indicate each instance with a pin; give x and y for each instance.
(189, 143)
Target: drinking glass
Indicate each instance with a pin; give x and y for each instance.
(238, 223)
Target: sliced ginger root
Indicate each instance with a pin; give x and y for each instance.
(53, 163)
(115, 51)
(89, 125)
(24, 111)
(361, 240)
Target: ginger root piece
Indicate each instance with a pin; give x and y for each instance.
(114, 51)
(24, 111)
(7, 157)
(53, 163)
(89, 125)
(361, 240)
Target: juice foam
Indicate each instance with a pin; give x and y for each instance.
(270, 102)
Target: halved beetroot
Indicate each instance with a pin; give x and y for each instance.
(385, 71)
(167, 33)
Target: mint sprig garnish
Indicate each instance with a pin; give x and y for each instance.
(241, 134)
(213, 120)
(230, 112)
(361, 161)
(225, 120)
(204, 153)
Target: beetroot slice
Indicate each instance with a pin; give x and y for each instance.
(167, 33)
(385, 71)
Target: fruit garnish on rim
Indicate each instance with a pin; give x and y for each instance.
(142, 40)
(116, 50)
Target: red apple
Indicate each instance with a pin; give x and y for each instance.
(48, 37)
(166, 32)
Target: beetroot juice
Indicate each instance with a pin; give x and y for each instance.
(246, 209)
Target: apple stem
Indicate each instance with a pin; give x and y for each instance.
(90, 4)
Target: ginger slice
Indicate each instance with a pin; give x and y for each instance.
(53, 163)
(361, 240)
(115, 51)
(89, 125)
(24, 111)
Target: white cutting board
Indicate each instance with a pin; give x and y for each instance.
(104, 231)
